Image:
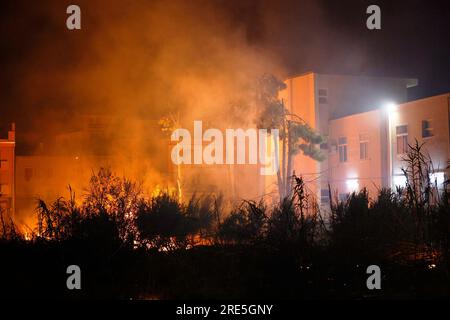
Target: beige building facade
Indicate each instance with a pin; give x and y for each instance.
(367, 149)
(7, 169)
(319, 99)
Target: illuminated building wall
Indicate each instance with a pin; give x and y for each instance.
(426, 120)
(320, 98)
(7, 167)
(357, 155)
(362, 155)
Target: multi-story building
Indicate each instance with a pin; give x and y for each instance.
(71, 157)
(427, 121)
(320, 98)
(357, 154)
(369, 124)
(367, 150)
(7, 167)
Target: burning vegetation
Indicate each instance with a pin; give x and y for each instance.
(138, 246)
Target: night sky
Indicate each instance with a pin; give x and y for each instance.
(44, 67)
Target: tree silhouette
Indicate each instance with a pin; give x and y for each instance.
(295, 134)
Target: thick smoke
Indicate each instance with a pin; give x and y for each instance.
(132, 63)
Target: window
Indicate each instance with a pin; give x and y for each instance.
(342, 146)
(343, 197)
(363, 150)
(4, 189)
(363, 146)
(332, 146)
(427, 129)
(402, 139)
(323, 96)
(3, 164)
(4, 205)
(28, 174)
(324, 196)
(399, 180)
(437, 178)
(95, 124)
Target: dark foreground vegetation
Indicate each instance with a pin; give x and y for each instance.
(131, 247)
